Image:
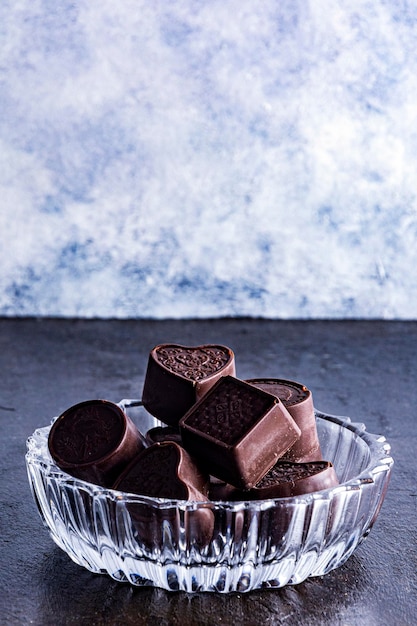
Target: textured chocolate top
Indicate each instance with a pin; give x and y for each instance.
(87, 432)
(291, 472)
(155, 473)
(164, 470)
(289, 392)
(229, 410)
(193, 363)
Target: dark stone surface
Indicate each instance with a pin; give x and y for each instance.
(367, 370)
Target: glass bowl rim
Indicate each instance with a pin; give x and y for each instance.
(380, 460)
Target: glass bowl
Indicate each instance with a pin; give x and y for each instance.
(254, 544)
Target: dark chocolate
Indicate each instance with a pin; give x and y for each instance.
(220, 490)
(238, 432)
(298, 400)
(94, 441)
(166, 470)
(288, 479)
(177, 376)
(163, 433)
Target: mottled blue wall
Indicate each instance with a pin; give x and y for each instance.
(187, 158)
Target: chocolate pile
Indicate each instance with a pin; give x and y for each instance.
(224, 439)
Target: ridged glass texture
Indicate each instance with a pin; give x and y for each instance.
(262, 544)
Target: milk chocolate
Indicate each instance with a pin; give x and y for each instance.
(298, 401)
(166, 470)
(94, 441)
(177, 376)
(238, 431)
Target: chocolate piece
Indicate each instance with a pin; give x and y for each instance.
(166, 470)
(94, 441)
(177, 376)
(163, 433)
(287, 479)
(298, 401)
(219, 490)
(238, 432)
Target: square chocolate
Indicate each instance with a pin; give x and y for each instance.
(238, 431)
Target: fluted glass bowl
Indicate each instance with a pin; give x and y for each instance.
(255, 544)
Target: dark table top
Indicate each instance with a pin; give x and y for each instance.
(366, 370)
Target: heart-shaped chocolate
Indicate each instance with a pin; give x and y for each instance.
(177, 376)
(166, 470)
(193, 363)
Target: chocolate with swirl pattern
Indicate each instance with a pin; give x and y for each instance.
(94, 441)
(177, 376)
(298, 401)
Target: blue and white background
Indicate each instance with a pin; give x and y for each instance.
(208, 158)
